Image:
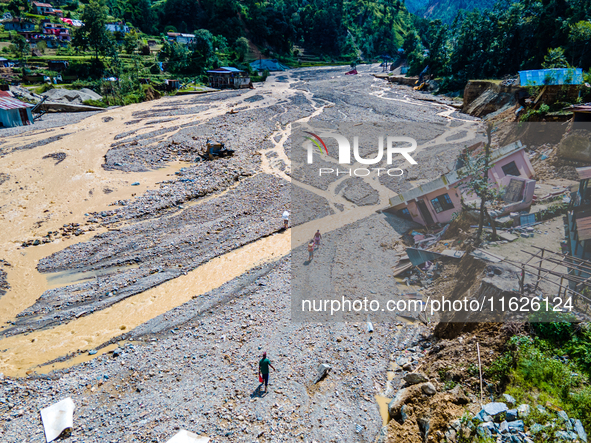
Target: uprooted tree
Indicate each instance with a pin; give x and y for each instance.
(477, 182)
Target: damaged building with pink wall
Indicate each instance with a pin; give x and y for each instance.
(438, 200)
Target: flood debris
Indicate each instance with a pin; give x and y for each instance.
(58, 156)
(58, 419)
(322, 371)
(184, 436)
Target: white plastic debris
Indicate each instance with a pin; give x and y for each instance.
(187, 437)
(57, 418)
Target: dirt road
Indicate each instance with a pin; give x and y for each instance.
(139, 241)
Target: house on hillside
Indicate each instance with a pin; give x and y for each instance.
(58, 30)
(438, 200)
(19, 25)
(3, 62)
(182, 39)
(13, 112)
(117, 27)
(58, 65)
(228, 77)
(42, 8)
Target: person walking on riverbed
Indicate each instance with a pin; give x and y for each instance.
(311, 250)
(317, 238)
(264, 365)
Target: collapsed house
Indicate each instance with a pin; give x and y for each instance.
(13, 112)
(579, 217)
(437, 201)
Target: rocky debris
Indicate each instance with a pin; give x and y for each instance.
(359, 192)
(25, 94)
(59, 95)
(413, 378)
(66, 231)
(4, 286)
(504, 425)
(4, 177)
(57, 156)
(322, 371)
(198, 373)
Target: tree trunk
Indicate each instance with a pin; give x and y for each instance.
(483, 197)
(492, 225)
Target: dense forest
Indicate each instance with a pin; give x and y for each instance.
(323, 26)
(477, 43)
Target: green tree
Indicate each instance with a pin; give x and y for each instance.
(555, 59)
(476, 181)
(20, 47)
(93, 34)
(242, 47)
(131, 41)
(580, 35)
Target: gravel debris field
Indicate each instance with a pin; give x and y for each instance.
(194, 367)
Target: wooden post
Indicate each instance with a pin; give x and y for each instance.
(480, 372)
(539, 270)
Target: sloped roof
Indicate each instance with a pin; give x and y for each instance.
(223, 69)
(269, 64)
(7, 103)
(584, 172)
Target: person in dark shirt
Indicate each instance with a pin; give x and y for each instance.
(264, 369)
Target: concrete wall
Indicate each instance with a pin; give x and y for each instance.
(522, 162)
(442, 217)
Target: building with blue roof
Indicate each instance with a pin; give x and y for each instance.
(228, 77)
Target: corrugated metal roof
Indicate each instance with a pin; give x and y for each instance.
(584, 173)
(12, 103)
(586, 107)
(225, 69)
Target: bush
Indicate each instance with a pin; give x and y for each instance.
(97, 103)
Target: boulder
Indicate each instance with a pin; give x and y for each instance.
(512, 415)
(495, 408)
(516, 425)
(523, 411)
(485, 429)
(424, 427)
(458, 396)
(404, 413)
(428, 388)
(397, 402)
(415, 378)
(580, 431)
(322, 370)
(510, 400)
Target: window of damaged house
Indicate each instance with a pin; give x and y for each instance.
(510, 169)
(442, 203)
